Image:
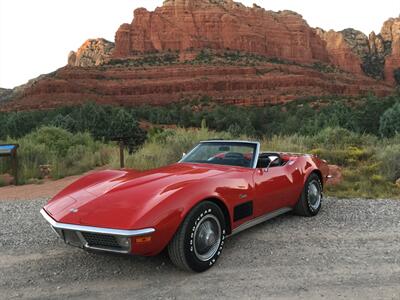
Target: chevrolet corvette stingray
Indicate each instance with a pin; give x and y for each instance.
(218, 189)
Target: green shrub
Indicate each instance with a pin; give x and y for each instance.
(341, 138)
(66, 153)
(373, 65)
(52, 139)
(389, 158)
(390, 121)
(204, 56)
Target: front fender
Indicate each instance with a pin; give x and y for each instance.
(167, 214)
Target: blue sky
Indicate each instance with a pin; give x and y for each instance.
(37, 35)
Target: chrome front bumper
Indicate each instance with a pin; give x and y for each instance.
(96, 238)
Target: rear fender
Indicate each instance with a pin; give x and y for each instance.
(315, 165)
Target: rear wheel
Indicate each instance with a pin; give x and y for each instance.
(199, 240)
(310, 200)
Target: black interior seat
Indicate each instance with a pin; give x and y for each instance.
(277, 162)
(264, 160)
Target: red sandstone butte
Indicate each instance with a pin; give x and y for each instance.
(101, 71)
(192, 25)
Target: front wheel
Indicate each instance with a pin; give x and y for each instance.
(199, 240)
(310, 200)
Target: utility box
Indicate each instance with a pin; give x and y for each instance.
(10, 150)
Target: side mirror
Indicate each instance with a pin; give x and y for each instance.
(183, 154)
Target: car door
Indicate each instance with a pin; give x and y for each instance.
(274, 187)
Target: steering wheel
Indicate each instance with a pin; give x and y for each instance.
(234, 155)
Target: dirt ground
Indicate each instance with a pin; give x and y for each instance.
(33, 191)
(351, 250)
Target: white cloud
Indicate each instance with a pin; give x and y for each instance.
(36, 36)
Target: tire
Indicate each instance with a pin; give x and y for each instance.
(200, 238)
(310, 200)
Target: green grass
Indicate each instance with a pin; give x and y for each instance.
(369, 165)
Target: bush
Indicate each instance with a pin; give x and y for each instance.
(390, 121)
(338, 137)
(373, 66)
(66, 153)
(390, 162)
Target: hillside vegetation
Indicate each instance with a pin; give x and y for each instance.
(370, 114)
(370, 165)
(359, 135)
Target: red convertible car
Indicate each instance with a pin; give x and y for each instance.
(218, 189)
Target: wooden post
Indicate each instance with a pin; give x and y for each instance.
(15, 166)
(121, 154)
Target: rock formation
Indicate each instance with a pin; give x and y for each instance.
(377, 55)
(391, 36)
(265, 83)
(187, 25)
(336, 173)
(191, 25)
(340, 51)
(93, 52)
(6, 179)
(4, 92)
(162, 56)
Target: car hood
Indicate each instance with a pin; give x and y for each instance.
(118, 202)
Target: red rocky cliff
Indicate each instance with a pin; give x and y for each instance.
(187, 25)
(391, 35)
(150, 60)
(93, 52)
(340, 52)
(191, 25)
(376, 55)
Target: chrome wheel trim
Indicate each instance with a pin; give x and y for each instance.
(207, 237)
(314, 195)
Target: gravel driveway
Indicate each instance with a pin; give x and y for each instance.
(351, 250)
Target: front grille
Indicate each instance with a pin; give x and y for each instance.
(101, 240)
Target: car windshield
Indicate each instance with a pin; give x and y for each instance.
(223, 153)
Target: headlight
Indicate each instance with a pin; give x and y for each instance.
(124, 242)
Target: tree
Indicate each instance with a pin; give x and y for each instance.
(122, 124)
(390, 121)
